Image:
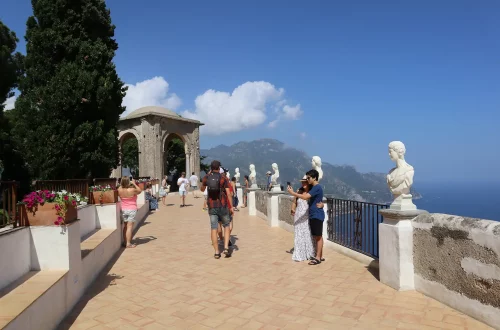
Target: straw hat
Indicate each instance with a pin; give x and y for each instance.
(304, 178)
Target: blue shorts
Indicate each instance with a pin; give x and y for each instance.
(219, 214)
(182, 192)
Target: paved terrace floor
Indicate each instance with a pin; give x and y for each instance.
(172, 281)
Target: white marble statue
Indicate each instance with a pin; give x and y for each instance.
(276, 175)
(228, 175)
(237, 175)
(253, 176)
(316, 165)
(400, 178)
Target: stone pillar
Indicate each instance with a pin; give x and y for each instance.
(273, 208)
(396, 248)
(143, 149)
(252, 209)
(239, 193)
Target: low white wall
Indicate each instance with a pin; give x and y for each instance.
(14, 255)
(87, 215)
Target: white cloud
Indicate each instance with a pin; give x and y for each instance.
(150, 92)
(10, 102)
(244, 108)
(273, 123)
(292, 112)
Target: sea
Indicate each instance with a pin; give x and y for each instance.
(476, 200)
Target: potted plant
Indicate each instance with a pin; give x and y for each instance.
(141, 183)
(104, 194)
(45, 208)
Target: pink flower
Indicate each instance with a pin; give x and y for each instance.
(58, 207)
(66, 198)
(74, 203)
(60, 219)
(56, 223)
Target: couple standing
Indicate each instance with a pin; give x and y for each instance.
(308, 219)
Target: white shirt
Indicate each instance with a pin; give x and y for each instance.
(182, 184)
(194, 181)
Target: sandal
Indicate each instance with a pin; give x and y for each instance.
(217, 256)
(131, 246)
(227, 253)
(314, 262)
(322, 259)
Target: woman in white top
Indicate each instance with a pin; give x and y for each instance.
(183, 184)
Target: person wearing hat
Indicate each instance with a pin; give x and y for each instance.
(269, 184)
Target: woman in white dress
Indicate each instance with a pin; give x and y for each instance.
(304, 248)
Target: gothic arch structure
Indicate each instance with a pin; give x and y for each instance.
(153, 127)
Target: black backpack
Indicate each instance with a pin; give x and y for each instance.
(213, 185)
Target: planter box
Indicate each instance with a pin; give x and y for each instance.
(142, 185)
(46, 214)
(105, 197)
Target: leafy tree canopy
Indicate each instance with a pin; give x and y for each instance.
(130, 156)
(71, 95)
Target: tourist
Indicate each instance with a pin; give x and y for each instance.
(235, 194)
(128, 192)
(303, 241)
(183, 184)
(193, 180)
(163, 190)
(269, 183)
(228, 197)
(245, 192)
(148, 195)
(219, 206)
(316, 214)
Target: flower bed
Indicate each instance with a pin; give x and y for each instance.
(104, 194)
(45, 208)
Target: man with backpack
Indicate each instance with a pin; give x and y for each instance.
(219, 206)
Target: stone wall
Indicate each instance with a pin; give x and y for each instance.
(457, 261)
(285, 207)
(261, 201)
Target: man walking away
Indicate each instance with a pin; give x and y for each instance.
(219, 206)
(193, 180)
(316, 214)
(183, 183)
(269, 184)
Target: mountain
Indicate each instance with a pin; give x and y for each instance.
(340, 181)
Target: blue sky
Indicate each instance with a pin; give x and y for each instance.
(354, 75)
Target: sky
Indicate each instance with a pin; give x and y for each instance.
(338, 79)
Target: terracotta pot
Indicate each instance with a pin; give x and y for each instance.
(142, 185)
(108, 197)
(46, 214)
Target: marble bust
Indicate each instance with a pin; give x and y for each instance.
(274, 178)
(316, 165)
(237, 174)
(253, 176)
(400, 178)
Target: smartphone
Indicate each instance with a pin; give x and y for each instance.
(288, 184)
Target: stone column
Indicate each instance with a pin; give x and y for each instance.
(143, 148)
(396, 248)
(273, 208)
(252, 209)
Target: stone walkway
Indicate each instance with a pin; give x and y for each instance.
(172, 281)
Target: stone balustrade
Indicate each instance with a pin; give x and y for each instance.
(46, 269)
(452, 259)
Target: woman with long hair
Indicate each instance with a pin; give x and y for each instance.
(303, 247)
(128, 192)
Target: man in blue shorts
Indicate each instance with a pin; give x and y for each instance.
(316, 214)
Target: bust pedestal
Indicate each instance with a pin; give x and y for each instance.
(396, 248)
(252, 209)
(254, 186)
(403, 203)
(273, 207)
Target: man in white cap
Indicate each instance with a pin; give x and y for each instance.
(269, 184)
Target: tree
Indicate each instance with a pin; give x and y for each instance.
(130, 156)
(175, 157)
(204, 167)
(71, 95)
(11, 161)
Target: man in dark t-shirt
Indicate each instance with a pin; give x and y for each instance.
(316, 214)
(219, 207)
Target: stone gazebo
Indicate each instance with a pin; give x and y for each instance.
(154, 127)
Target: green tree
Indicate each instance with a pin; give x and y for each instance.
(71, 95)
(130, 156)
(12, 163)
(203, 166)
(175, 157)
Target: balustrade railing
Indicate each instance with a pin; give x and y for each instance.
(354, 225)
(9, 211)
(74, 186)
